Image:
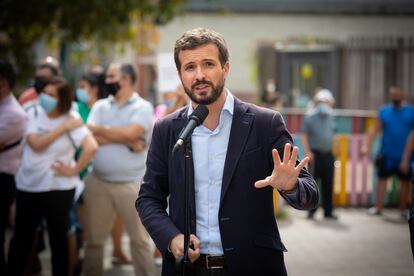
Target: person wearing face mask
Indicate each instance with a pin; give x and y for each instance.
(47, 69)
(48, 175)
(318, 131)
(89, 91)
(119, 123)
(173, 100)
(395, 120)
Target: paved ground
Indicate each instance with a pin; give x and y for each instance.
(356, 244)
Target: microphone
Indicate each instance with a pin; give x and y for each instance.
(196, 119)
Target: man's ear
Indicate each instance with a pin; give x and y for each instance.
(226, 68)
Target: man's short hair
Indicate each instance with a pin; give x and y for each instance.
(199, 37)
(129, 70)
(7, 73)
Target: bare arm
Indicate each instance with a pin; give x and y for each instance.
(101, 140)
(306, 147)
(409, 148)
(372, 133)
(135, 146)
(89, 147)
(39, 142)
(123, 135)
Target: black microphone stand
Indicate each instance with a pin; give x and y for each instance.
(182, 264)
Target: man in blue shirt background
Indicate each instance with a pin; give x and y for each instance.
(395, 120)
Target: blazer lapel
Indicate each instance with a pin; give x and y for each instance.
(240, 128)
(179, 123)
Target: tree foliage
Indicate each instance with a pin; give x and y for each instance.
(23, 22)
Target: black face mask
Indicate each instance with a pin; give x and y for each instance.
(112, 88)
(396, 103)
(39, 84)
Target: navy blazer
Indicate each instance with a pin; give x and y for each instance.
(248, 228)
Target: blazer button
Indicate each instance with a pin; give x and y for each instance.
(224, 219)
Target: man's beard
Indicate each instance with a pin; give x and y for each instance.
(215, 92)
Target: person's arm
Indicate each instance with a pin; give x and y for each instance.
(101, 140)
(89, 147)
(138, 145)
(152, 199)
(293, 181)
(39, 142)
(12, 128)
(122, 135)
(371, 134)
(306, 147)
(409, 148)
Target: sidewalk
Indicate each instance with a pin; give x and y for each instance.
(356, 244)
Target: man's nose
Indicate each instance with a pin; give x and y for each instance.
(200, 73)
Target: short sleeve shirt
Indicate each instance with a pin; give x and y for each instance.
(35, 173)
(116, 162)
(397, 124)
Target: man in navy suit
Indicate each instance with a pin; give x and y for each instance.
(240, 154)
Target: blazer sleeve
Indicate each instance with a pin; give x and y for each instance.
(151, 203)
(306, 196)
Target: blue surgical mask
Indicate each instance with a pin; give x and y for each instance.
(170, 104)
(48, 103)
(324, 109)
(82, 95)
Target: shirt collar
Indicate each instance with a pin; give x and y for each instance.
(131, 99)
(228, 105)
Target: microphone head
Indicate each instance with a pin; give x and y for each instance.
(199, 114)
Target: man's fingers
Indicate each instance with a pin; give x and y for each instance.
(195, 241)
(193, 255)
(303, 163)
(263, 183)
(294, 155)
(276, 157)
(286, 153)
(177, 245)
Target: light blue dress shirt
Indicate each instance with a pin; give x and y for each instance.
(209, 154)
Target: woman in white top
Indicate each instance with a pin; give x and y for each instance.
(48, 175)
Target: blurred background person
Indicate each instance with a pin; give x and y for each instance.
(121, 124)
(317, 139)
(90, 89)
(272, 96)
(48, 175)
(172, 101)
(395, 120)
(12, 127)
(47, 69)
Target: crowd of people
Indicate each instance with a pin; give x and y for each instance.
(72, 160)
(70, 163)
